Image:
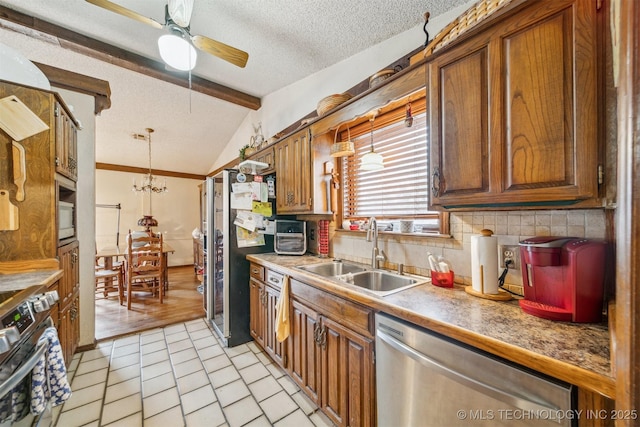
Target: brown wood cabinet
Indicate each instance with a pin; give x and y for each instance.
(66, 143)
(513, 111)
(267, 156)
(262, 301)
(68, 305)
(330, 350)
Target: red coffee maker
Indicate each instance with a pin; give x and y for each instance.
(563, 278)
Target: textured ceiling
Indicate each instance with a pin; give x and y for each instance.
(287, 40)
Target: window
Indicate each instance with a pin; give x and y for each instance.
(400, 191)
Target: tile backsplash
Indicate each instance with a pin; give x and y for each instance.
(509, 226)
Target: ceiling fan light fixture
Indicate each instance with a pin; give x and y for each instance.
(177, 52)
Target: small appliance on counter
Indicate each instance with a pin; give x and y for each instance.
(290, 237)
(563, 278)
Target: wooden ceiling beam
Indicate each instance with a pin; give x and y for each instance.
(114, 55)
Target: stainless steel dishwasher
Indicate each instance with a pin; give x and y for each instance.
(424, 379)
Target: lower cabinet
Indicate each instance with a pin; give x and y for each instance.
(329, 352)
(69, 304)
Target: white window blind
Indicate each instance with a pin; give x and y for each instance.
(400, 190)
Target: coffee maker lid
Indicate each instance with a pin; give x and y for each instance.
(546, 241)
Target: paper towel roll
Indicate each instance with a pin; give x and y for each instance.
(484, 263)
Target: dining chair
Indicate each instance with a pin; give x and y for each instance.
(145, 266)
(108, 279)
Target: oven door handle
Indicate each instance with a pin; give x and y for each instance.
(24, 370)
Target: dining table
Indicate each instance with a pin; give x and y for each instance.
(110, 254)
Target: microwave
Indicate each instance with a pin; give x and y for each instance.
(66, 204)
(290, 237)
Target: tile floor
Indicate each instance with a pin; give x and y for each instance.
(180, 375)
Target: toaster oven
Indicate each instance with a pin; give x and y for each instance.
(290, 237)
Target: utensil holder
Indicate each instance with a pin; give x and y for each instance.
(444, 280)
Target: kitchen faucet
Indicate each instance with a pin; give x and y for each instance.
(372, 234)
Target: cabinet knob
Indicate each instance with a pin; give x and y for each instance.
(435, 183)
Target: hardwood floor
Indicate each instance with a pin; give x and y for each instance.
(182, 302)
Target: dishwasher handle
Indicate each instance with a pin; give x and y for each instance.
(517, 401)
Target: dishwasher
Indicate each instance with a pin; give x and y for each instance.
(425, 379)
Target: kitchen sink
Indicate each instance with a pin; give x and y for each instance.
(331, 269)
(379, 282)
(382, 282)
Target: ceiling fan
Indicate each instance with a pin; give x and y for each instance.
(177, 19)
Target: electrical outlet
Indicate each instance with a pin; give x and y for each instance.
(511, 252)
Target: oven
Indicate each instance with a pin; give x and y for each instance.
(24, 321)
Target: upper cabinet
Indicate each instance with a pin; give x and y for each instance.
(513, 115)
(66, 143)
(301, 185)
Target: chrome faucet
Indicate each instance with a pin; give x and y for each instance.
(372, 234)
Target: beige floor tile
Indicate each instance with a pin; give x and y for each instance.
(160, 402)
(158, 384)
(192, 381)
(278, 406)
(211, 415)
(224, 376)
(216, 363)
(186, 368)
(153, 347)
(184, 355)
(200, 333)
(155, 357)
(156, 369)
(177, 346)
(296, 419)
(253, 373)
(245, 359)
(126, 349)
(125, 341)
(288, 384)
(172, 329)
(306, 404)
(121, 408)
(122, 390)
(81, 381)
(169, 418)
(197, 399)
(124, 374)
(178, 336)
(124, 361)
(232, 392)
(92, 365)
(275, 370)
(96, 353)
(209, 352)
(263, 421)
(205, 342)
(321, 420)
(80, 416)
(237, 350)
(157, 335)
(133, 420)
(242, 412)
(266, 387)
(86, 396)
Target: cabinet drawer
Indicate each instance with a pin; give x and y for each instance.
(274, 279)
(347, 313)
(257, 272)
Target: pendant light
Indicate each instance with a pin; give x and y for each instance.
(371, 161)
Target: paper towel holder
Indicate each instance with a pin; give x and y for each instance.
(501, 295)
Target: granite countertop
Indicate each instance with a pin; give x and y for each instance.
(17, 281)
(577, 353)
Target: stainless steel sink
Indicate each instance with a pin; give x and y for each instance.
(382, 282)
(334, 268)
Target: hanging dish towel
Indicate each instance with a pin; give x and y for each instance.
(14, 405)
(49, 377)
(283, 326)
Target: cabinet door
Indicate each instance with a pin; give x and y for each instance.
(513, 112)
(304, 352)
(274, 348)
(69, 328)
(265, 156)
(66, 143)
(68, 256)
(293, 165)
(459, 123)
(347, 375)
(549, 88)
(256, 311)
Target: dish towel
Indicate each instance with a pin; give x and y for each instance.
(14, 405)
(49, 377)
(283, 326)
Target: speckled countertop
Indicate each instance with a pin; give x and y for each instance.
(17, 281)
(576, 353)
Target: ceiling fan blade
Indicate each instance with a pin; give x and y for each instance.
(228, 53)
(106, 4)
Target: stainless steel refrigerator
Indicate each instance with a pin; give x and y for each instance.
(227, 271)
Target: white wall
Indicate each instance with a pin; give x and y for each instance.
(283, 108)
(177, 211)
(83, 106)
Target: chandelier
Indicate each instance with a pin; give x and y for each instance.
(148, 184)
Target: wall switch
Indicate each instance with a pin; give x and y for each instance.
(509, 252)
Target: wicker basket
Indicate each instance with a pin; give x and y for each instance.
(469, 19)
(332, 101)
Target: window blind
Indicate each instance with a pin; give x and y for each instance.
(400, 190)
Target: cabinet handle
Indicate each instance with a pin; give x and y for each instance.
(435, 183)
(316, 331)
(322, 338)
